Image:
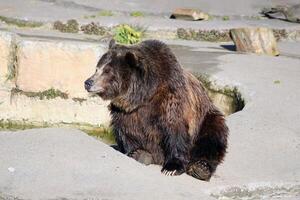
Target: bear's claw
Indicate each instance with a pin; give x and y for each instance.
(170, 173)
(173, 168)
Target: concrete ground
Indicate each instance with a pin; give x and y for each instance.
(241, 13)
(263, 160)
(156, 7)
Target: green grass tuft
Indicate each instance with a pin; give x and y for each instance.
(277, 82)
(137, 14)
(126, 34)
(225, 18)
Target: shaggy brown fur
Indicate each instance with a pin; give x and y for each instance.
(161, 114)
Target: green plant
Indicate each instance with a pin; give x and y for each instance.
(126, 34)
(276, 82)
(136, 14)
(225, 18)
(107, 13)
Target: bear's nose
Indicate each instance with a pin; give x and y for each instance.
(88, 84)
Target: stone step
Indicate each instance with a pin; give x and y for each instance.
(36, 111)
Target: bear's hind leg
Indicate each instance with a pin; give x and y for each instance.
(142, 156)
(209, 147)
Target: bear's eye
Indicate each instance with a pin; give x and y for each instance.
(106, 71)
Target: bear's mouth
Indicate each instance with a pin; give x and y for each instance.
(97, 91)
(100, 93)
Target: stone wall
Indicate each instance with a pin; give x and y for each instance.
(35, 65)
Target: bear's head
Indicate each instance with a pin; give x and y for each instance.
(116, 70)
(130, 76)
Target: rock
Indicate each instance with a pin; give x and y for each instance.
(62, 65)
(289, 13)
(189, 14)
(255, 40)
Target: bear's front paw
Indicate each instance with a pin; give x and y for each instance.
(173, 167)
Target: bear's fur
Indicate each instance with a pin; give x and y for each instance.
(161, 113)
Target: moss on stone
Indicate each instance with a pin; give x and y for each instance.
(71, 26)
(79, 100)
(13, 61)
(14, 125)
(204, 35)
(100, 132)
(20, 22)
(47, 94)
(238, 101)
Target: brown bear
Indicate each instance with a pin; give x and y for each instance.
(160, 113)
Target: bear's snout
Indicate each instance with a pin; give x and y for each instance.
(88, 84)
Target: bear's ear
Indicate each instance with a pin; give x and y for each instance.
(112, 43)
(132, 59)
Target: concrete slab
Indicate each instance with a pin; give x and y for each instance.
(51, 10)
(68, 164)
(265, 136)
(263, 160)
(71, 7)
